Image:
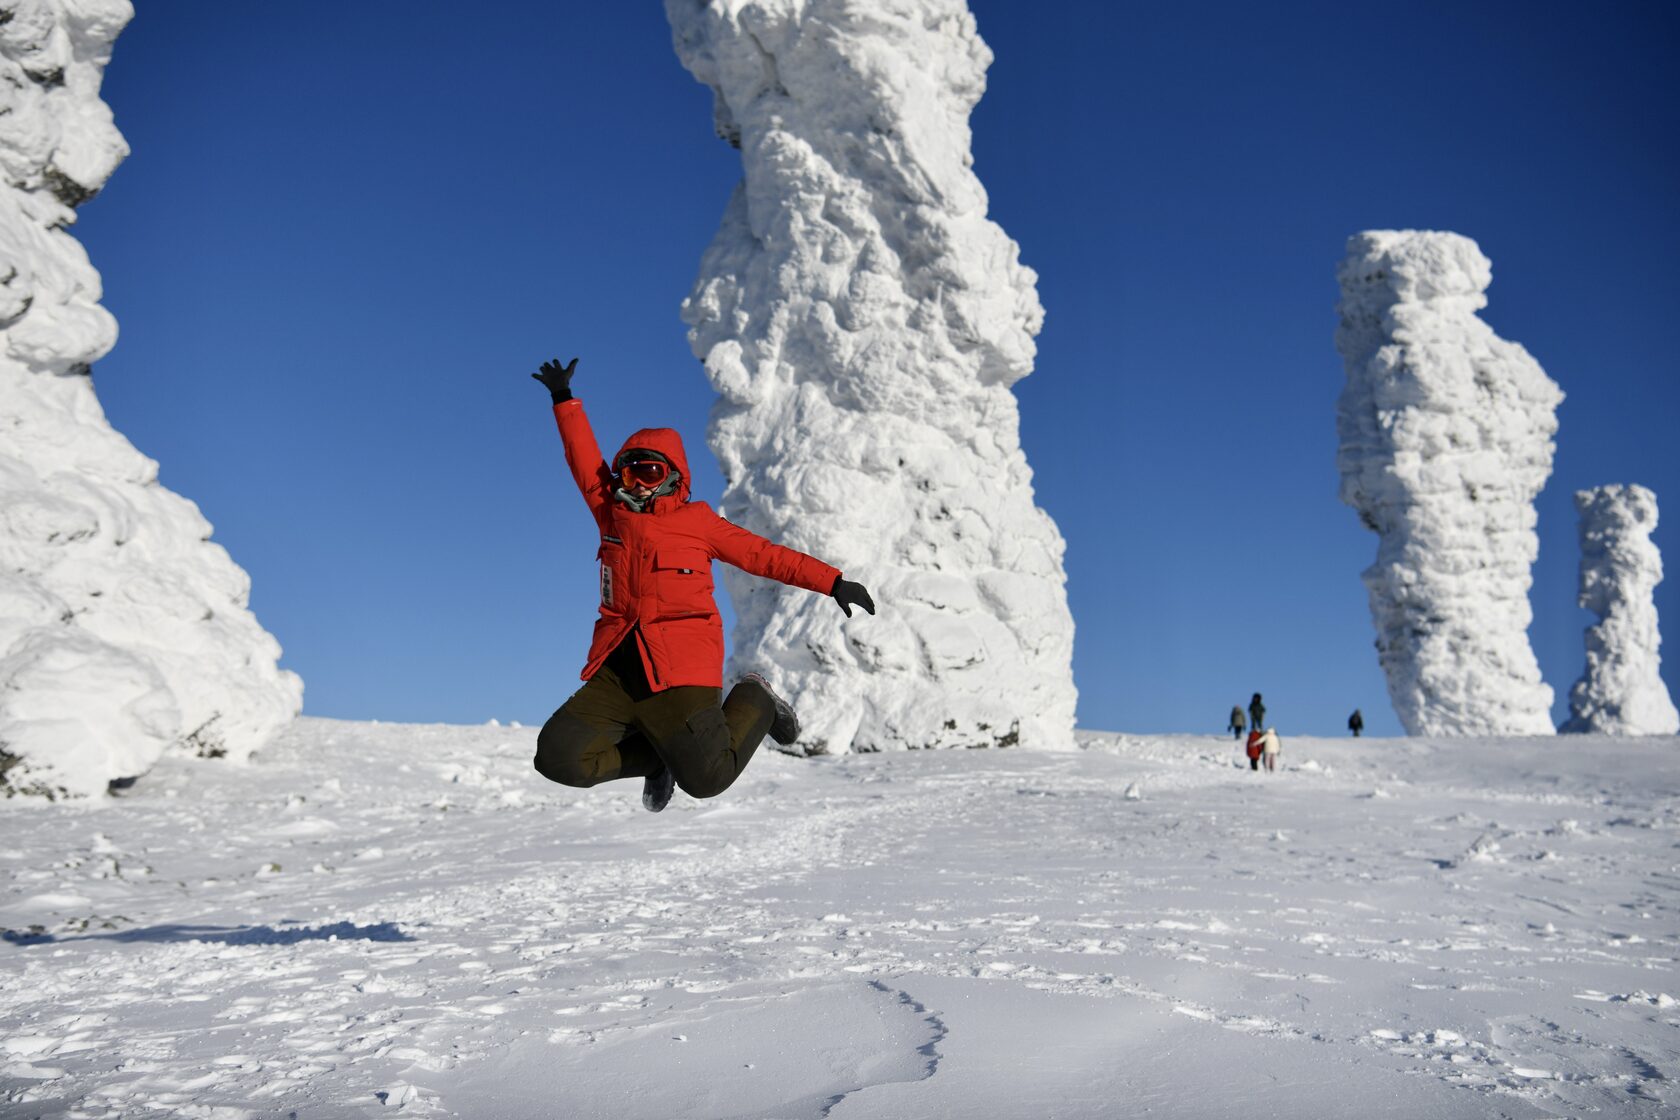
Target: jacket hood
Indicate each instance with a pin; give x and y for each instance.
(668, 443)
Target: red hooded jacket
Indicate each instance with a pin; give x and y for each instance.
(656, 565)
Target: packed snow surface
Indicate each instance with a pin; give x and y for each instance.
(863, 322)
(123, 630)
(1446, 439)
(373, 920)
(1622, 691)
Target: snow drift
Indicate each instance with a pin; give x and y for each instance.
(1622, 690)
(1446, 439)
(863, 322)
(404, 921)
(123, 630)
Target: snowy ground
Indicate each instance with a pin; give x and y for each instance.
(376, 919)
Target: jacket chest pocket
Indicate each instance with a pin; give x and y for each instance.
(614, 571)
(683, 581)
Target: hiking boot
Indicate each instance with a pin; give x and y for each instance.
(656, 789)
(785, 727)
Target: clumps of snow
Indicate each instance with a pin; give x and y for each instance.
(123, 630)
(1622, 690)
(863, 322)
(1446, 439)
(401, 1095)
(1658, 999)
(1484, 849)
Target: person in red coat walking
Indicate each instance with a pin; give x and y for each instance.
(652, 703)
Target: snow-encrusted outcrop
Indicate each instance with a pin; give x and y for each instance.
(863, 322)
(1446, 439)
(1622, 690)
(123, 630)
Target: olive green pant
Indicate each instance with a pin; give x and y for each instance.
(615, 726)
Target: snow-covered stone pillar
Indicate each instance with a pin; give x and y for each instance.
(1622, 690)
(1446, 439)
(863, 322)
(123, 630)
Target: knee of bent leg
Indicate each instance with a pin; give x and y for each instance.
(704, 784)
(567, 750)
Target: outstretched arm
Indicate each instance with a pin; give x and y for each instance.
(752, 553)
(583, 454)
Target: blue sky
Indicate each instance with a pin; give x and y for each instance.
(348, 232)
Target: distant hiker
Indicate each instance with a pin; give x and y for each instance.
(1236, 725)
(1253, 748)
(1356, 723)
(1270, 747)
(650, 705)
(1256, 712)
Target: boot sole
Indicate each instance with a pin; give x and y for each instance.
(654, 796)
(785, 727)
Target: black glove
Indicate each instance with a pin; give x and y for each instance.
(557, 378)
(849, 595)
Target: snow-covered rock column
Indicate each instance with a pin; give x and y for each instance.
(1446, 439)
(1622, 690)
(863, 322)
(123, 630)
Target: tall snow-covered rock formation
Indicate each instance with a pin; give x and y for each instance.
(123, 630)
(1446, 439)
(863, 322)
(1622, 690)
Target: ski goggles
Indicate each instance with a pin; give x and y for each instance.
(644, 472)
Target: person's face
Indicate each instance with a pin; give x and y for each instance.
(642, 477)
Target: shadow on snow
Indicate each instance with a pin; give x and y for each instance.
(222, 935)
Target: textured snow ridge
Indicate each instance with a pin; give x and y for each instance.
(1446, 439)
(1622, 690)
(863, 322)
(123, 630)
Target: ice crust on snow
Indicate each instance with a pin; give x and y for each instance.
(123, 629)
(1622, 691)
(863, 322)
(1446, 439)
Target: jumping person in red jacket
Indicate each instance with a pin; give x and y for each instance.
(649, 707)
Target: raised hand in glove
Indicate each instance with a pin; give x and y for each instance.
(849, 595)
(557, 378)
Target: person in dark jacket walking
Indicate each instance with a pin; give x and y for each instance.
(1236, 725)
(1356, 723)
(652, 703)
(1256, 713)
